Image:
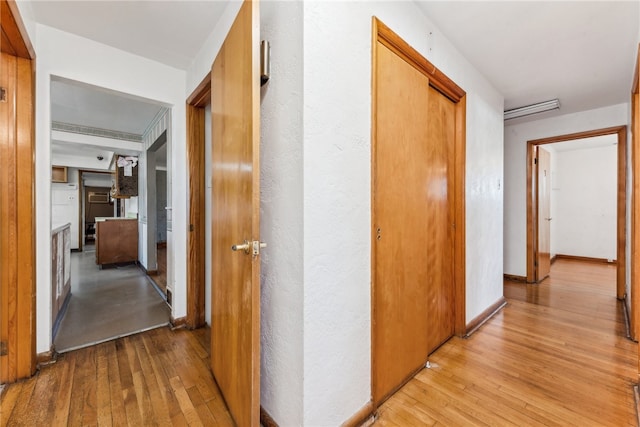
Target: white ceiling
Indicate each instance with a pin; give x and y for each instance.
(85, 105)
(170, 32)
(580, 52)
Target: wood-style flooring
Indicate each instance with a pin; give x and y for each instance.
(555, 356)
(160, 377)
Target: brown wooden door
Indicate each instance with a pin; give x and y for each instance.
(235, 322)
(17, 248)
(413, 290)
(543, 256)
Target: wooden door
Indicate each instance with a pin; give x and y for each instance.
(413, 252)
(235, 322)
(543, 184)
(17, 248)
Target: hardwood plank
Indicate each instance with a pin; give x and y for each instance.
(118, 417)
(8, 400)
(67, 365)
(189, 411)
(22, 409)
(160, 411)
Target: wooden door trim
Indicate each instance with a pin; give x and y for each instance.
(196, 103)
(621, 132)
(17, 216)
(635, 207)
(437, 79)
(13, 32)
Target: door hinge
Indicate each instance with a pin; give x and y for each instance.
(3, 94)
(191, 227)
(3, 348)
(535, 161)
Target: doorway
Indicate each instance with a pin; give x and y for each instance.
(94, 130)
(533, 196)
(418, 117)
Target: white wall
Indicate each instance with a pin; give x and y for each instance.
(281, 209)
(69, 56)
(584, 193)
(337, 208)
(515, 141)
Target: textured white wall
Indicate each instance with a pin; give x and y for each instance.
(69, 56)
(515, 159)
(585, 195)
(337, 209)
(281, 209)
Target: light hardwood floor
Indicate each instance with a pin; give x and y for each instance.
(160, 377)
(555, 356)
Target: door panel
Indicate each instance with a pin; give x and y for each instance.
(439, 249)
(17, 249)
(235, 323)
(544, 214)
(413, 288)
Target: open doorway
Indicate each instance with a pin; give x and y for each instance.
(100, 289)
(579, 228)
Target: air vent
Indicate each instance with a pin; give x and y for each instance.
(98, 197)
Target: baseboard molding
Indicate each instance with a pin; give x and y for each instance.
(553, 259)
(363, 417)
(483, 317)
(627, 320)
(514, 278)
(266, 420)
(46, 358)
(586, 259)
(179, 323)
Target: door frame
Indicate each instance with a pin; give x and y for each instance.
(196, 104)
(537, 211)
(19, 215)
(532, 200)
(437, 79)
(635, 207)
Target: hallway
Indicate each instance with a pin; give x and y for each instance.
(108, 303)
(556, 355)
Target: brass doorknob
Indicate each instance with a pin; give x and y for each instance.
(246, 246)
(250, 247)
